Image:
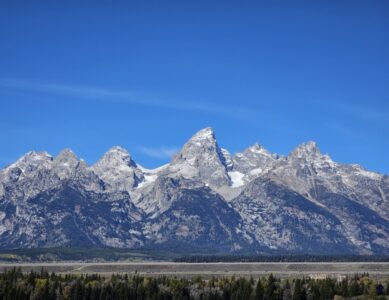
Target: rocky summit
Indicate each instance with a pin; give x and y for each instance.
(205, 199)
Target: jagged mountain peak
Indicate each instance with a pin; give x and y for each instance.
(277, 202)
(310, 154)
(204, 134)
(118, 149)
(200, 144)
(116, 156)
(118, 170)
(28, 163)
(67, 156)
(253, 162)
(255, 147)
(33, 157)
(306, 150)
(202, 157)
(256, 150)
(67, 165)
(36, 155)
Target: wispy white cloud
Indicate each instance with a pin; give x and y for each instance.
(159, 152)
(129, 97)
(367, 112)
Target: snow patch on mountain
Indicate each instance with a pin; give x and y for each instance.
(236, 179)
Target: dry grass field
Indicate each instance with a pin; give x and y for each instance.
(207, 270)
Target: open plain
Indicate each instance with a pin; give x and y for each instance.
(208, 270)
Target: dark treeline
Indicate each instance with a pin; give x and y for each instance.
(282, 258)
(16, 285)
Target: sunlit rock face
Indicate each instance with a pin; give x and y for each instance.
(202, 157)
(118, 170)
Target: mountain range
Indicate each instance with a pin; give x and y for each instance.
(205, 199)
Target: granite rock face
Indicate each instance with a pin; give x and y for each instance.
(202, 157)
(117, 169)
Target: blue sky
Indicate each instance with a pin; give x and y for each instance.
(146, 75)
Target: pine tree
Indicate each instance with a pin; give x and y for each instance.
(259, 290)
(299, 292)
(287, 292)
(270, 289)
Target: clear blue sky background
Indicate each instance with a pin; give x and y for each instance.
(148, 74)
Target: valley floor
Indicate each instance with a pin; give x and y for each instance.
(207, 270)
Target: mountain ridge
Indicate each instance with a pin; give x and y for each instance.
(251, 201)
